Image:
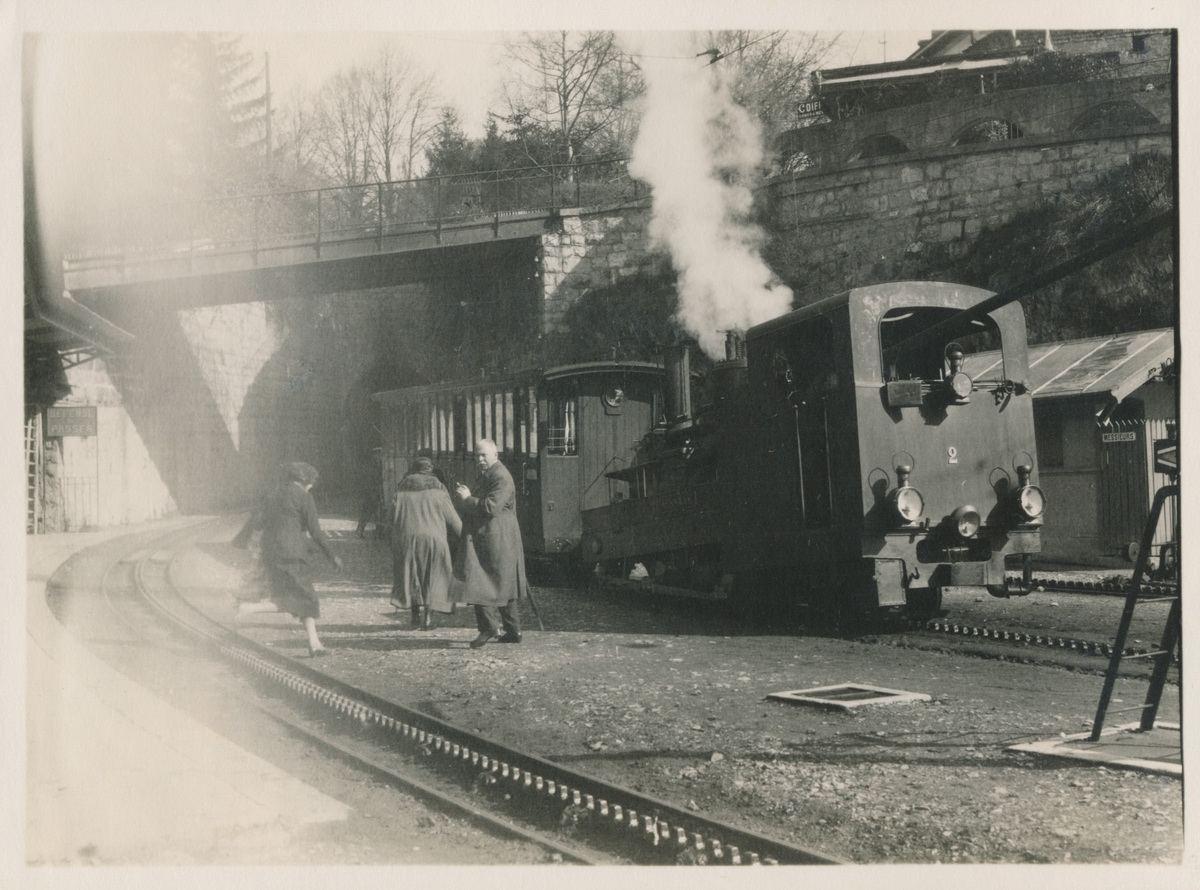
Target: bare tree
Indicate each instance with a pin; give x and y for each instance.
(345, 116)
(406, 116)
(296, 137)
(559, 84)
(771, 69)
(374, 123)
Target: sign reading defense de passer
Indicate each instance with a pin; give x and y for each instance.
(77, 421)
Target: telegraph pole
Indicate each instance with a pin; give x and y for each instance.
(267, 79)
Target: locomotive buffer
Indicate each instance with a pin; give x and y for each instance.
(1165, 461)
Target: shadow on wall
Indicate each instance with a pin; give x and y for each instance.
(173, 409)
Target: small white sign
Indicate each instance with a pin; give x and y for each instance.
(1118, 437)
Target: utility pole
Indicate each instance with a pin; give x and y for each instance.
(267, 81)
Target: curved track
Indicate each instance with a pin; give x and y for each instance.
(617, 820)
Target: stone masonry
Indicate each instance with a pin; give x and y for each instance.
(850, 223)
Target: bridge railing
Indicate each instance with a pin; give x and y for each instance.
(321, 218)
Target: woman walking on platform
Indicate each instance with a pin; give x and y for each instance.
(287, 514)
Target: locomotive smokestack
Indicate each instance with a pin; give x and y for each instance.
(735, 346)
(728, 378)
(677, 396)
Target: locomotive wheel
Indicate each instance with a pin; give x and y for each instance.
(923, 603)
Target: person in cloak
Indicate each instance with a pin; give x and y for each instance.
(423, 521)
(491, 558)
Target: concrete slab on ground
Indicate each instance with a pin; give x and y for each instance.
(1157, 750)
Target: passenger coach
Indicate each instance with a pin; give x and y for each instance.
(559, 431)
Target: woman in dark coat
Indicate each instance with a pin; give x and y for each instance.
(288, 513)
(492, 560)
(423, 518)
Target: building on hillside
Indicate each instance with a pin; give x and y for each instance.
(976, 61)
(1099, 404)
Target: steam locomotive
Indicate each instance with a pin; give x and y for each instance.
(865, 452)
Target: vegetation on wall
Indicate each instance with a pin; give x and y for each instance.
(1133, 289)
(630, 319)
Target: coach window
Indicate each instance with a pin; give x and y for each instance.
(561, 413)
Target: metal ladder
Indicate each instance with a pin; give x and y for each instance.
(1163, 655)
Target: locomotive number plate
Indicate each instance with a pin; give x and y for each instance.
(952, 455)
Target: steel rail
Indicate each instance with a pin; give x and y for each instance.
(1113, 587)
(673, 833)
(1016, 637)
(136, 562)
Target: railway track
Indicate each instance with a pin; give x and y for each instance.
(576, 817)
(1108, 587)
(1024, 638)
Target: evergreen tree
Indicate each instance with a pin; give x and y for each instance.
(451, 151)
(221, 112)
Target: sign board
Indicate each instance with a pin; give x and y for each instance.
(809, 108)
(77, 421)
(1166, 457)
(1118, 437)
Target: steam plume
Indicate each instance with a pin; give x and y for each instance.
(699, 152)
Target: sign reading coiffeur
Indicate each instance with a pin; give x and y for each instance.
(77, 421)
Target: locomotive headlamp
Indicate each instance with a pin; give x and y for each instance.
(959, 382)
(966, 521)
(961, 385)
(908, 503)
(1031, 500)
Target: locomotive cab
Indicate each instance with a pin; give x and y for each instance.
(891, 451)
(949, 451)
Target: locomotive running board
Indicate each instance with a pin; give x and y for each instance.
(847, 696)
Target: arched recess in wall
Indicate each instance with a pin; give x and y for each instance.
(878, 146)
(361, 423)
(796, 162)
(987, 130)
(1117, 115)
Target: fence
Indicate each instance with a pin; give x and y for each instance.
(317, 218)
(34, 519)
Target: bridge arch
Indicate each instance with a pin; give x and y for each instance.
(880, 145)
(1114, 115)
(984, 130)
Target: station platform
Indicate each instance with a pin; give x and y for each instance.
(116, 776)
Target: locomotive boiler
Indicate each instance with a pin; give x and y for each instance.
(867, 451)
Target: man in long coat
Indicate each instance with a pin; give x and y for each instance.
(492, 560)
(423, 520)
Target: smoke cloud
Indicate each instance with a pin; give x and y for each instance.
(699, 152)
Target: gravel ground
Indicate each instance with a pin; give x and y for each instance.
(665, 698)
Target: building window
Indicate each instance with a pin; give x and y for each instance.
(1139, 43)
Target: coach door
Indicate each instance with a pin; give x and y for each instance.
(1124, 488)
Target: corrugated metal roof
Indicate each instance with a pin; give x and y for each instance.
(1098, 365)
